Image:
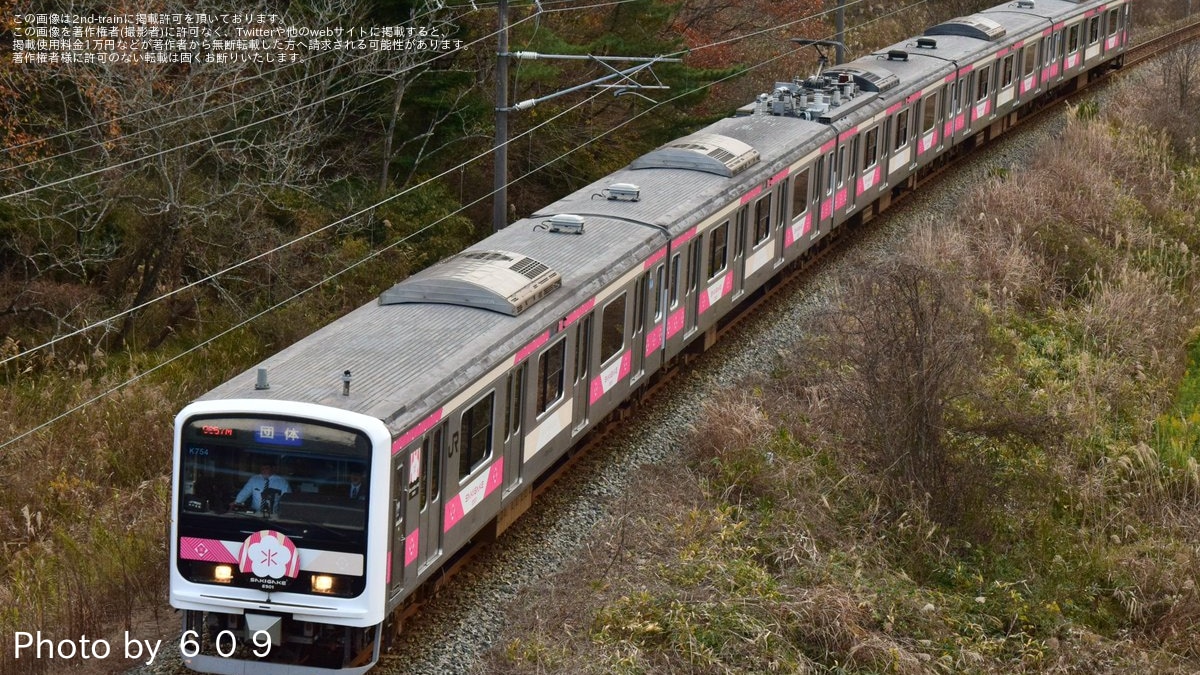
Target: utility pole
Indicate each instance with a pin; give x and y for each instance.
(625, 84)
(840, 23)
(500, 159)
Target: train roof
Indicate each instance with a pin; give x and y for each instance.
(407, 356)
(441, 329)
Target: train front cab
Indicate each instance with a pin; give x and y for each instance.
(274, 564)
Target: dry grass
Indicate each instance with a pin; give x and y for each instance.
(1081, 550)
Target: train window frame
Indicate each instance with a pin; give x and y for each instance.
(583, 348)
(660, 275)
(902, 122)
(1073, 41)
(433, 469)
(676, 279)
(1008, 71)
(800, 198)
(1093, 30)
(762, 219)
(832, 173)
(718, 245)
(1114, 21)
(1049, 54)
(929, 112)
(423, 486)
(1030, 59)
(611, 325)
(871, 148)
(984, 85)
(514, 393)
(477, 444)
(546, 372)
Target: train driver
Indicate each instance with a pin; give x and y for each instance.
(266, 478)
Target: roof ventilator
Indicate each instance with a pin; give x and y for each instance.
(707, 152)
(564, 223)
(620, 192)
(926, 43)
(500, 281)
(897, 55)
(1025, 4)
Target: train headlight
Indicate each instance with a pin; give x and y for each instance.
(322, 583)
(223, 574)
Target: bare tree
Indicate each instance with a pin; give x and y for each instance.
(902, 343)
(1181, 72)
(188, 168)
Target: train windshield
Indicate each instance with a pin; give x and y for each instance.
(244, 474)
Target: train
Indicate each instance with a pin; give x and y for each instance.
(316, 494)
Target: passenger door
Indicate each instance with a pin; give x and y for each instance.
(514, 434)
(429, 497)
(583, 370)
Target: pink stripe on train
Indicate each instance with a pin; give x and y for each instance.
(416, 432)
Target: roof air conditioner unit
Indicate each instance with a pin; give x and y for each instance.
(623, 192)
(565, 223)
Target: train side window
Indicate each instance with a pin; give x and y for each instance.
(762, 219)
(1007, 74)
(656, 287)
(901, 129)
(639, 303)
(825, 173)
(964, 93)
(675, 280)
(718, 249)
(1094, 30)
(1030, 59)
(841, 166)
(1050, 53)
(583, 348)
(551, 365)
(694, 252)
(739, 236)
(477, 436)
(799, 194)
(612, 328)
(423, 489)
(985, 83)
(872, 148)
(1073, 39)
(433, 463)
(929, 110)
(516, 396)
(1114, 22)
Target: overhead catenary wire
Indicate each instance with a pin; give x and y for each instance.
(394, 244)
(215, 275)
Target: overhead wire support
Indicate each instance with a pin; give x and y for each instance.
(627, 82)
(500, 216)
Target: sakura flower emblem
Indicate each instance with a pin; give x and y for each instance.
(269, 555)
(269, 558)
